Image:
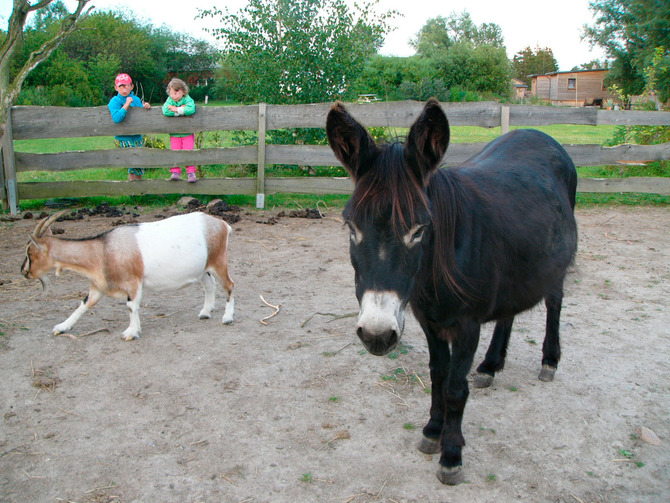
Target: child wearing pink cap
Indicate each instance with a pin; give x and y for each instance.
(118, 107)
(179, 103)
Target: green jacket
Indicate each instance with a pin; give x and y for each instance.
(186, 107)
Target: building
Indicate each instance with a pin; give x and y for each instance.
(577, 88)
(520, 89)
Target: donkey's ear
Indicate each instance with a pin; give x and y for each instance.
(427, 141)
(351, 143)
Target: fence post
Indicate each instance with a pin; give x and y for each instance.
(504, 120)
(260, 171)
(9, 167)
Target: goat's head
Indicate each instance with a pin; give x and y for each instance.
(38, 262)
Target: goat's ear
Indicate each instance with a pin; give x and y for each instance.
(427, 141)
(351, 143)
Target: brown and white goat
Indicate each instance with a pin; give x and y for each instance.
(164, 255)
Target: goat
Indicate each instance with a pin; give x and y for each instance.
(164, 255)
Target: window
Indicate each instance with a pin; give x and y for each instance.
(572, 83)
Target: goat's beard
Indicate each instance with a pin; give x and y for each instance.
(46, 284)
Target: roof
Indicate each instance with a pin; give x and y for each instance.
(569, 71)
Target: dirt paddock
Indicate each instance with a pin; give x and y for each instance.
(293, 409)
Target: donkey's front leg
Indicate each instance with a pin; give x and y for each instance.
(455, 394)
(439, 370)
(94, 295)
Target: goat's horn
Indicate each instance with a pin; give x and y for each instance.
(46, 284)
(46, 223)
(36, 244)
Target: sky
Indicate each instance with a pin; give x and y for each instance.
(523, 24)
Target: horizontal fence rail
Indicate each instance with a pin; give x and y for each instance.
(57, 122)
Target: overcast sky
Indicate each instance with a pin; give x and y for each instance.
(554, 25)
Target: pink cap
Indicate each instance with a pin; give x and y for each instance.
(123, 78)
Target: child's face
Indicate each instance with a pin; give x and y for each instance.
(124, 89)
(176, 95)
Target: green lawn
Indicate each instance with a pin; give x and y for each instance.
(563, 133)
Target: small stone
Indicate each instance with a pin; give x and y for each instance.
(648, 436)
(188, 202)
(215, 205)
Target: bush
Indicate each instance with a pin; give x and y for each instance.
(61, 95)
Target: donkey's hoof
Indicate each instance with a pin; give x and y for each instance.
(429, 446)
(547, 373)
(482, 380)
(451, 476)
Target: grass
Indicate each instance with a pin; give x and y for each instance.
(564, 133)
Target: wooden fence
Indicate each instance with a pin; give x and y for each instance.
(56, 122)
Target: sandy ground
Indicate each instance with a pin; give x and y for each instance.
(295, 410)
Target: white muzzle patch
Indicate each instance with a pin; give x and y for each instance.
(381, 312)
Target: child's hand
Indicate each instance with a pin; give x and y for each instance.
(172, 108)
(129, 101)
(146, 105)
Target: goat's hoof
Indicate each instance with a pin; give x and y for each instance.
(60, 329)
(429, 446)
(482, 380)
(451, 476)
(547, 373)
(204, 316)
(227, 321)
(130, 337)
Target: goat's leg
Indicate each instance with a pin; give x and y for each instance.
(209, 284)
(229, 313)
(135, 328)
(220, 273)
(94, 295)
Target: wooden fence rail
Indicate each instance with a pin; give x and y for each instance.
(57, 122)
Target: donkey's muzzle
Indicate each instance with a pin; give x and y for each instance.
(378, 344)
(381, 321)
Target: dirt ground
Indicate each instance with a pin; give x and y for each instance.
(295, 410)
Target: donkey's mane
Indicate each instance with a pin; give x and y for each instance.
(388, 186)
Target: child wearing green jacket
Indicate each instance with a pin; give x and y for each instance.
(180, 103)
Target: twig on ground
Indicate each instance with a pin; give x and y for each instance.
(225, 477)
(334, 315)
(264, 321)
(342, 435)
(76, 337)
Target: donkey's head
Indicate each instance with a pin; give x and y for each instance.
(38, 262)
(388, 215)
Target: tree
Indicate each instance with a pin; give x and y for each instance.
(390, 77)
(631, 31)
(439, 34)
(433, 38)
(533, 62)
(298, 51)
(10, 86)
(106, 44)
(466, 56)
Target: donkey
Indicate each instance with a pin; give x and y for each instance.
(462, 246)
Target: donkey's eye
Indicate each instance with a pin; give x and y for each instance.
(355, 234)
(414, 236)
